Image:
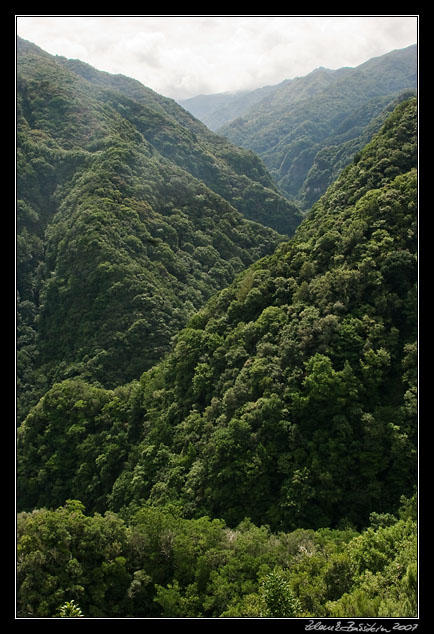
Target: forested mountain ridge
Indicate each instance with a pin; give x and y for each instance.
(131, 214)
(289, 399)
(308, 128)
(233, 173)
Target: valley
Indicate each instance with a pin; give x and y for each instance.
(217, 371)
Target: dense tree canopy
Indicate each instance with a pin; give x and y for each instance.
(290, 398)
(227, 421)
(308, 128)
(160, 565)
(131, 214)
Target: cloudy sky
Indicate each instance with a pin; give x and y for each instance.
(182, 56)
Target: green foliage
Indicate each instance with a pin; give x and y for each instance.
(278, 597)
(64, 555)
(78, 438)
(385, 577)
(161, 565)
(70, 610)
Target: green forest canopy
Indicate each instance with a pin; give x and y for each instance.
(131, 215)
(265, 466)
(289, 398)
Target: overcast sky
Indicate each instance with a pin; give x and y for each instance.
(183, 56)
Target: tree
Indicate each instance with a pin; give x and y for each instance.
(278, 597)
(64, 555)
(70, 610)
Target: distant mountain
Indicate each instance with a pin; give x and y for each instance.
(130, 215)
(216, 110)
(307, 129)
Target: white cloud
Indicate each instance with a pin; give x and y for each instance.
(180, 56)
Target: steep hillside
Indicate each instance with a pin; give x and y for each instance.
(290, 398)
(130, 215)
(307, 129)
(237, 175)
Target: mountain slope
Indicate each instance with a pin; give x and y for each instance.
(235, 174)
(130, 216)
(320, 112)
(290, 398)
(216, 110)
